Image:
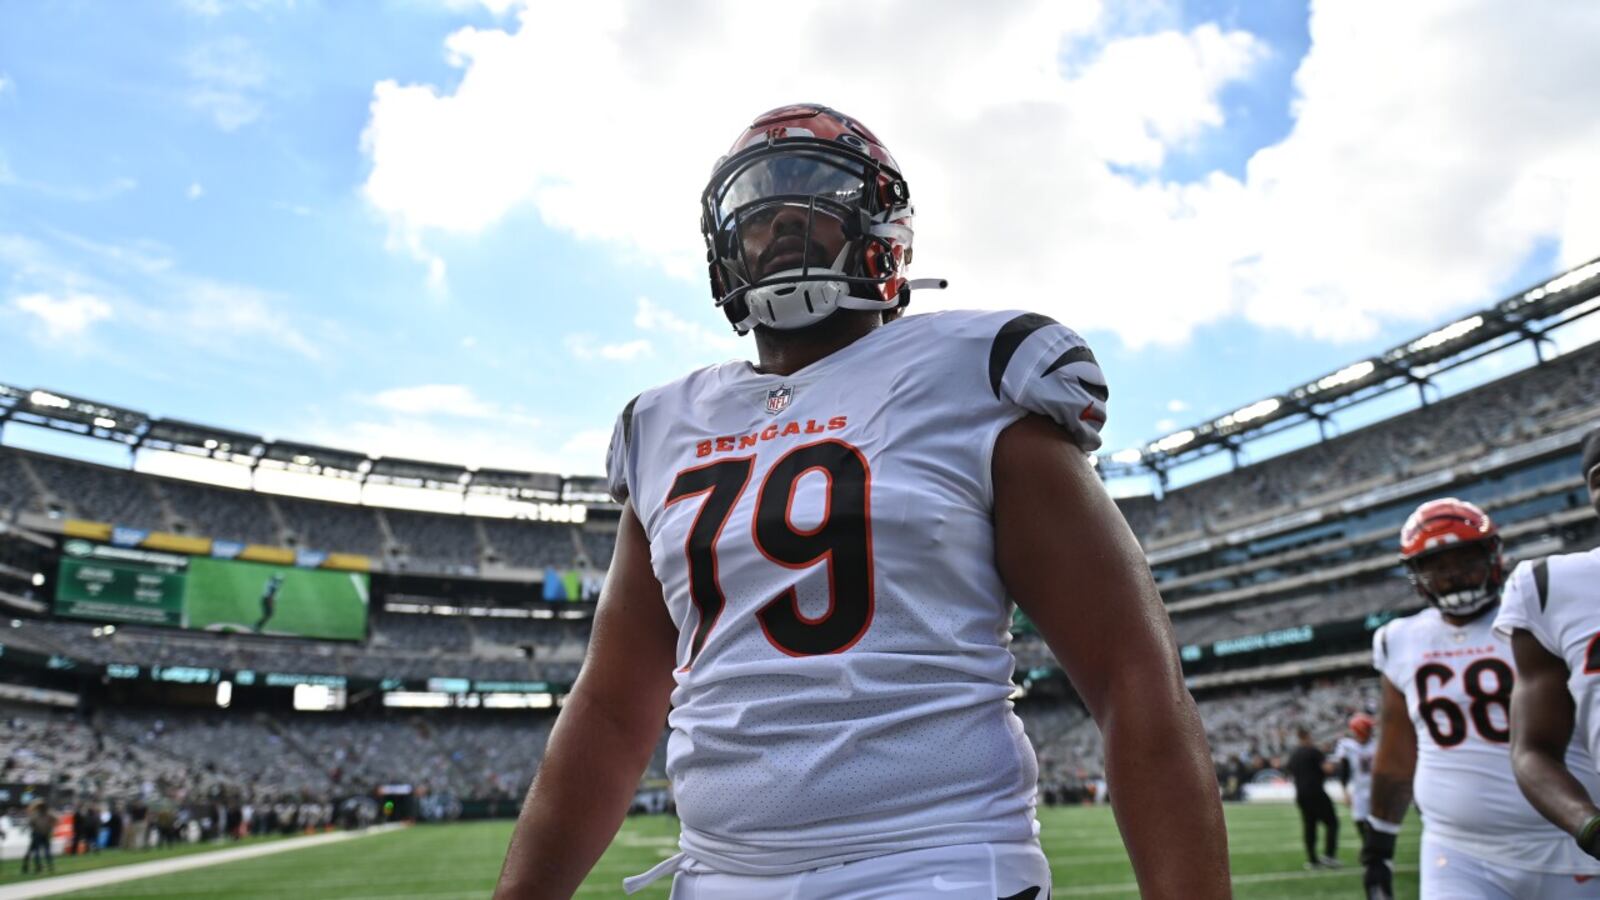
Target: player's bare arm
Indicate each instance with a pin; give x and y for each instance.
(1070, 561)
(1395, 763)
(1542, 719)
(602, 742)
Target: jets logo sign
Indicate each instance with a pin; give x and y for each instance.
(778, 399)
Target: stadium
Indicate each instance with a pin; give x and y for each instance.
(235, 638)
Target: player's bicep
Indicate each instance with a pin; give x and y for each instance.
(1069, 560)
(633, 644)
(1542, 711)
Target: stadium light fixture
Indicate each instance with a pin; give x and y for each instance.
(1254, 411)
(1128, 457)
(224, 694)
(1347, 375)
(103, 422)
(1446, 334)
(1174, 441)
(47, 399)
(1563, 281)
(38, 579)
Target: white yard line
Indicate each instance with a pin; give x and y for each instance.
(80, 881)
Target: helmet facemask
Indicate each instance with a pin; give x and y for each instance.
(1462, 579)
(797, 230)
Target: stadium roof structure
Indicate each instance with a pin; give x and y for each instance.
(1524, 316)
(140, 431)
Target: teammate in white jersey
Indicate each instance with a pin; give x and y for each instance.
(1355, 751)
(1551, 611)
(812, 571)
(1447, 682)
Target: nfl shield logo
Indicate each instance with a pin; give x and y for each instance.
(778, 399)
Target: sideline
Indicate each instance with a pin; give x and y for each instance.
(79, 881)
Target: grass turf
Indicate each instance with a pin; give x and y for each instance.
(226, 595)
(442, 861)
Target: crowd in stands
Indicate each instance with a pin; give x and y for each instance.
(1251, 731)
(1466, 426)
(407, 540)
(400, 646)
(116, 757)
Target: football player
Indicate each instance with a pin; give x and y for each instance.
(812, 572)
(1447, 682)
(1355, 751)
(269, 599)
(1552, 613)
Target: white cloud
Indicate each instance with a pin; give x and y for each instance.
(211, 9)
(657, 319)
(1164, 425)
(585, 347)
(436, 399)
(227, 76)
(158, 301)
(495, 7)
(588, 447)
(68, 316)
(195, 191)
(226, 315)
(1177, 406)
(5, 84)
(1427, 159)
(508, 445)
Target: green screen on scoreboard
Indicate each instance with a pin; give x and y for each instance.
(150, 593)
(109, 584)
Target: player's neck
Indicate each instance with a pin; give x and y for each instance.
(787, 352)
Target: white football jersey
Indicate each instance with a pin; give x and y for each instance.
(1557, 600)
(1457, 683)
(825, 545)
(1358, 757)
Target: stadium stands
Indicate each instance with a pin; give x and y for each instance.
(99, 493)
(1301, 539)
(1515, 409)
(217, 512)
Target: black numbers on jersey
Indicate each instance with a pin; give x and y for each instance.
(842, 541)
(1591, 658)
(1446, 723)
(722, 483)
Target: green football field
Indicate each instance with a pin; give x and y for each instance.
(440, 861)
(225, 595)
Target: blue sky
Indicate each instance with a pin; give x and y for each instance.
(467, 231)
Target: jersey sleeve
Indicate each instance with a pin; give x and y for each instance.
(619, 455)
(1520, 606)
(1382, 657)
(1041, 366)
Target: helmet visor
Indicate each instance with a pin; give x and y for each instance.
(790, 175)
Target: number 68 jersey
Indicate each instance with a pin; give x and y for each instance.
(825, 545)
(1457, 683)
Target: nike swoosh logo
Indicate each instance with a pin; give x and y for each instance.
(1024, 894)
